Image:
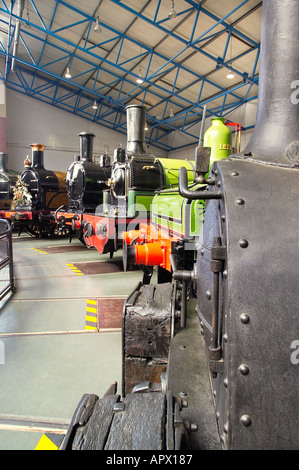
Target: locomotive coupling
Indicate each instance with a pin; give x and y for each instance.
(76, 224)
(182, 274)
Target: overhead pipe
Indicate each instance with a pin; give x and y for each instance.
(21, 4)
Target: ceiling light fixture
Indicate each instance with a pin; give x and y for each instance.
(68, 73)
(97, 27)
(146, 127)
(171, 114)
(230, 75)
(94, 106)
(172, 13)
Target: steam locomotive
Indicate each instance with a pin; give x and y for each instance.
(176, 221)
(8, 180)
(228, 378)
(85, 182)
(37, 192)
(117, 198)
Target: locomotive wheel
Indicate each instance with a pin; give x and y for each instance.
(32, 230)
(80, 235)
(45, 230)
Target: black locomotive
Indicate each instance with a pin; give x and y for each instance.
(36, 193)
(8, 180)
(85, 179)
(235, 363)
(85, 182)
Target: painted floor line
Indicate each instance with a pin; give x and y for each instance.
(50, 299)
(31, 423)
(45, 333)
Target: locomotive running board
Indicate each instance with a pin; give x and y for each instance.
(187, 352)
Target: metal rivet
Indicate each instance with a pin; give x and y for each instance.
(225, 273)
(214, 393)
(245, 420)
(217, 415)
(223, 218)
(219, 183)
(182, 346)
(225, 428)
(245, 318)
(243, 243)
(235, 173)
(193, 427)
(208, 294)
(244, 369)
(119, 406)
(225, 382)
(225, 337)
(240, 201)
(202, 252)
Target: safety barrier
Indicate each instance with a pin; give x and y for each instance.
(6, 260)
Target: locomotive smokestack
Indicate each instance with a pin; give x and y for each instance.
(86, 146)
(37, 155)
(275, 139)
(135, 130)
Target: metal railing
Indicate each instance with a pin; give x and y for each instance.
(6, 260)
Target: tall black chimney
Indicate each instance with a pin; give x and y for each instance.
(86, 146)
(136, 115)
(275, 139)
(37, 155)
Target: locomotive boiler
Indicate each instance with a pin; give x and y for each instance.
(233, 362)
(37, 192)
(8, 180)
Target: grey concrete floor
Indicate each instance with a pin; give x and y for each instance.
(50, 359)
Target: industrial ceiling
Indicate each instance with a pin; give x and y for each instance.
(181, 51)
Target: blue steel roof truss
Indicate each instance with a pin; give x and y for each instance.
(37, 76)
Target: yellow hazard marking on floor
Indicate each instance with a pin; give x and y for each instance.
(91, 309)
(75, 269)
(91, 318)
(40, 251)
(45, 443)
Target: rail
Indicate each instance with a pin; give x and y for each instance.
(6, 260)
